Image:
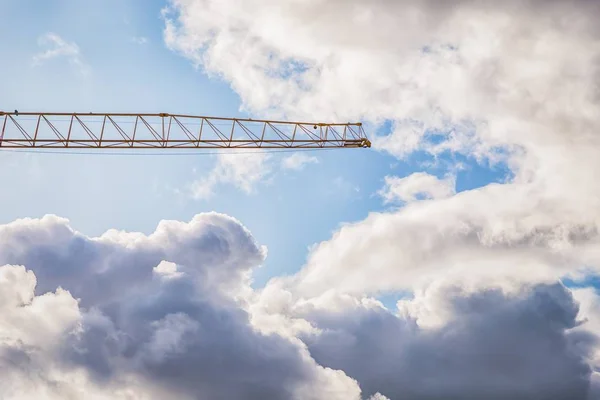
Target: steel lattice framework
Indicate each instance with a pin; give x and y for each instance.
(127, 131)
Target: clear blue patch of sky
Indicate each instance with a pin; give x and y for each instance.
(591, 280)
(472, 173)
(291, 69)
(389, 300)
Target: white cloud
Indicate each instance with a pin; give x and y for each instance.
(243, 171)
(590, 313)
(416, 186)
(56, 47)
(378, 396)
(472, 233)
(34, 330)
(450, 69)
(167, 270)
(24, 315)
(511, 82)
(298, 161)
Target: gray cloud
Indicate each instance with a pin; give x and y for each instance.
(105, 268)
(179, 336)
(181, 330)
(495, 346)
(146, 327)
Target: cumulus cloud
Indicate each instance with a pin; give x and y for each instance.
(469, 234)
(447, 74)
(498, 82)
(34, 330)
(512, 83)
(243, 171)
(55, 46)
(298, 161)
(138, 316)
(493, 346)
(127, 315)
(419, 185)
(452, 339)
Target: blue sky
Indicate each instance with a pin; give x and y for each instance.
(127, 73)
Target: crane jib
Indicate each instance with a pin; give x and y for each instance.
(171, 131)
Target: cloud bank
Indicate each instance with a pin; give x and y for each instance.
(133, 316)
(510, 83)
(130, 316)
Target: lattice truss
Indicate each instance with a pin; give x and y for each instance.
(126, 131)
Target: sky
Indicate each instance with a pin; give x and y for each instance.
(456, 258)
(129, 68)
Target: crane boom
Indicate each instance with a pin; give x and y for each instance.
(170, 131)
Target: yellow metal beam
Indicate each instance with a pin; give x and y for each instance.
(170, 131)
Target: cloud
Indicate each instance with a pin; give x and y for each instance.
(167, 269)
(452, 339)
(127, 315)
(448, 76)
(589, 300)
(141, 40)
(416, 186)
(492, 346)
(470, 234)
(506, 83)
(496, 82)
(243, 171)
(298, 161)
(122, 324)
(56, 47)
